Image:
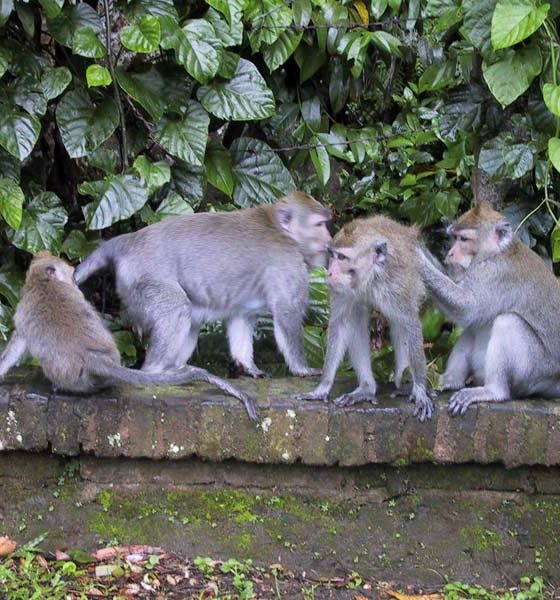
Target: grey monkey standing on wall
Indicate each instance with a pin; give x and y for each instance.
(508, 302)
(177, 274)
(57, 326)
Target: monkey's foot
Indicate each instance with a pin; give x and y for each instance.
(461, 400)
(306, 372)
(355, 397)
(250, 370)
(317, 394)
(250, 407)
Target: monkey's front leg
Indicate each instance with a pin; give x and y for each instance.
(13, 351)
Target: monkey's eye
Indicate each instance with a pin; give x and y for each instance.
(351, 272)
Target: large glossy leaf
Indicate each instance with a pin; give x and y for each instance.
(54, 81)
(321, 161)
(84, 125)
(437, 76)
(245, 97)
(70, 20)
(477, 23)
(279, 52)
(76, 246)
(27, 92)
(260, 175)
(11, 202)
(118, 197)
(52, 8)
(143, 36)
(19, 131)
(158, 8)
(85, 42)
(147, 88)
(551, 95)
(218, 168)
(5, 58)
(513, 74)
(154, 174)
(515, 20)
(197, 48)
(42, 226)
(554, 152)
(309, 61)
(98, 76)
(230, 34)
(10, 166)
(185, 136)
(188, 181)
(171, 206)
(501, 158)
(268, 19)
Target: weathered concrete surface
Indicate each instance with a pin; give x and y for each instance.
(413, 525)
(197, 420)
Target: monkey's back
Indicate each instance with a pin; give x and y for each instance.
(63, 332)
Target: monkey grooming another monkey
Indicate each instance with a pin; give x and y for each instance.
(373, 265)
(176, 275)
(58, 327)
(508, 302)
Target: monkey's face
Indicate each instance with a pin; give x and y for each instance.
(341, 274)
(310, 231)
(463, 249)
(478, 243)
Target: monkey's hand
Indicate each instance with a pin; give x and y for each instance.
(424, 406)
(358, 395)
(461, 400)
(306, 372)
(319, 393)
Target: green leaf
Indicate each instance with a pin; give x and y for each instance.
(279, 52)
(42, 226)
(386, 42)
(268, 19)
(84, 125)
(512, 75)
(218, 168)
(515, 20)
(309, 60)
(245, 97)
(97, 75)
(6, 8)
(447, 202)
(11, 202)
(229, 34)
(172, 206)
(104, 159)
(260, 175)
(378, 7)
(554, 153)
(10, 166)
(76, 246)
(432, 323)
(197, 49)
(26, 15)
(86, 43)
(147, 88)
(477, 23)
(144, 36)
(19, 132)
(5, 58)
(551, 95)
(185, 136)
(27, 92)
(437, 76)
(121, 196)
(137, 9)
(154, 174)
(228, 64)
(501, 158)
(54, 81)
(70, 20)
(188, 181)
(339, 86)
(52, 8)
(321, 161)
(11, 282)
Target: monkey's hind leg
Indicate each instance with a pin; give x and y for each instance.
(240, 336)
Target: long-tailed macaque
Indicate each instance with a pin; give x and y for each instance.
(177, 274)
(373, 265)
(508, 302)
(58, 327)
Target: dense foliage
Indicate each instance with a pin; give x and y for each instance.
(118, 114)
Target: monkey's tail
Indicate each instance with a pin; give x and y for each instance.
(100, 258)
(184, 375)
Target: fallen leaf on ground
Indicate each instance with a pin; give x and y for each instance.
(400, 596)
(7, 546)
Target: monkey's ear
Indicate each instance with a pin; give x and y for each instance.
(285, 216)
(380, 253)
(50, 272)
(503, 233)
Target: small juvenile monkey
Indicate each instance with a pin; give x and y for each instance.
(176, 275)
(58, 327)
(373, 265)
(508, 302)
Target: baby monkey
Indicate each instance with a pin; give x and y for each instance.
(58, 327)
(373, 264)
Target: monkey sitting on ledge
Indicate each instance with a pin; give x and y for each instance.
(58, 327)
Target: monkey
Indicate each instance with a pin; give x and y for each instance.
(176, 275)
(507, 301)
(57, 326)
(373, 265)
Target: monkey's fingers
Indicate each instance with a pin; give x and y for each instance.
(313, 395)
(250, 407)
(460, 402)
(355, 397)
(423, 410)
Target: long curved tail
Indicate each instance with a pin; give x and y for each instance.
(119, 374)
(100, 258)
